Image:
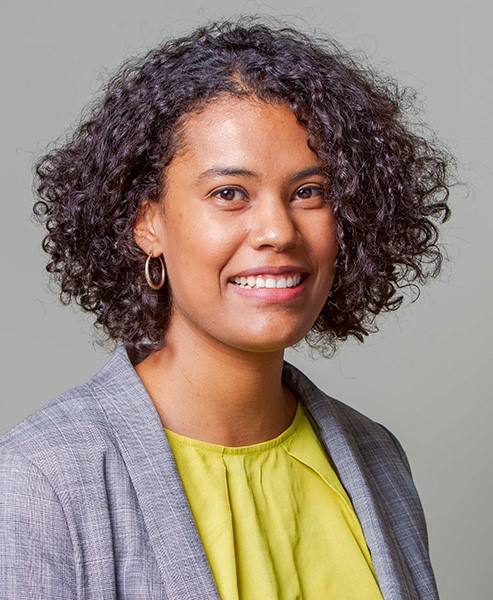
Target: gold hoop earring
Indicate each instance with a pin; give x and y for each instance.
(162, 279)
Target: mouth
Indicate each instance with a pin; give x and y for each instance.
(269, 281)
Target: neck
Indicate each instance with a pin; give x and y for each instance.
(218, 394)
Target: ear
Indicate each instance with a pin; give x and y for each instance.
(146, 228)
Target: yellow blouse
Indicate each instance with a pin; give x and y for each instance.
(274, 519)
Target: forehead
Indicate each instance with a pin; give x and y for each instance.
(243, 132)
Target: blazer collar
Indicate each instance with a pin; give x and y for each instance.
(391, 570)
(136, 425)
(171, 528)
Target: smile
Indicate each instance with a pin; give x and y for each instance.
(286, 280)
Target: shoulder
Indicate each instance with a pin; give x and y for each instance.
(67, 417)
(71, 431)
(373, 440)
(58, 443)
(80, 412)
(89, 432)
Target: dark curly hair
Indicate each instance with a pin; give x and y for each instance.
(389, 184)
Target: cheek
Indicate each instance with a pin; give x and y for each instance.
(332, 250)
(324, 253)
(322, 236)
(195, 243)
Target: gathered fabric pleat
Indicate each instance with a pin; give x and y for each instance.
(275, 520)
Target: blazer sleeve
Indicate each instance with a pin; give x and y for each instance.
(36, 551)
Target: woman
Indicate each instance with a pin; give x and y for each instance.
(234, 191)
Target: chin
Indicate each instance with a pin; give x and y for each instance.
(271, 341)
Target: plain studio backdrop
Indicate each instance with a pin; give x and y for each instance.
(426, 375)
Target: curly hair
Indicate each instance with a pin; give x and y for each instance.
(389, 184)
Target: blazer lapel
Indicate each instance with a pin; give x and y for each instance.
(136, 425)
(390, 567)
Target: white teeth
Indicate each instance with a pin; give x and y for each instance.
(269, 281)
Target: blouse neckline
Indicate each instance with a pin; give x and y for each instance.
(239, 450)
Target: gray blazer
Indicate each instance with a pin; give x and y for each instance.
(92, 506)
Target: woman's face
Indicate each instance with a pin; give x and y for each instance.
(246, 231)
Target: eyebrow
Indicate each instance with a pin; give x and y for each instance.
(237, 172)
(227, 171)
(317, 170)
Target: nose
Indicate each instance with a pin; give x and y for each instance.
(273, 225)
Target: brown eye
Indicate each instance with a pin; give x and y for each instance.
(310, 191)
(229, 194)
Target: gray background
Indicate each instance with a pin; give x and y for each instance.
(426, 375)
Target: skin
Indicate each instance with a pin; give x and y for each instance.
(243, 192)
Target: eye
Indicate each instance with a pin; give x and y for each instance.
(313, 193)
(229, 194)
